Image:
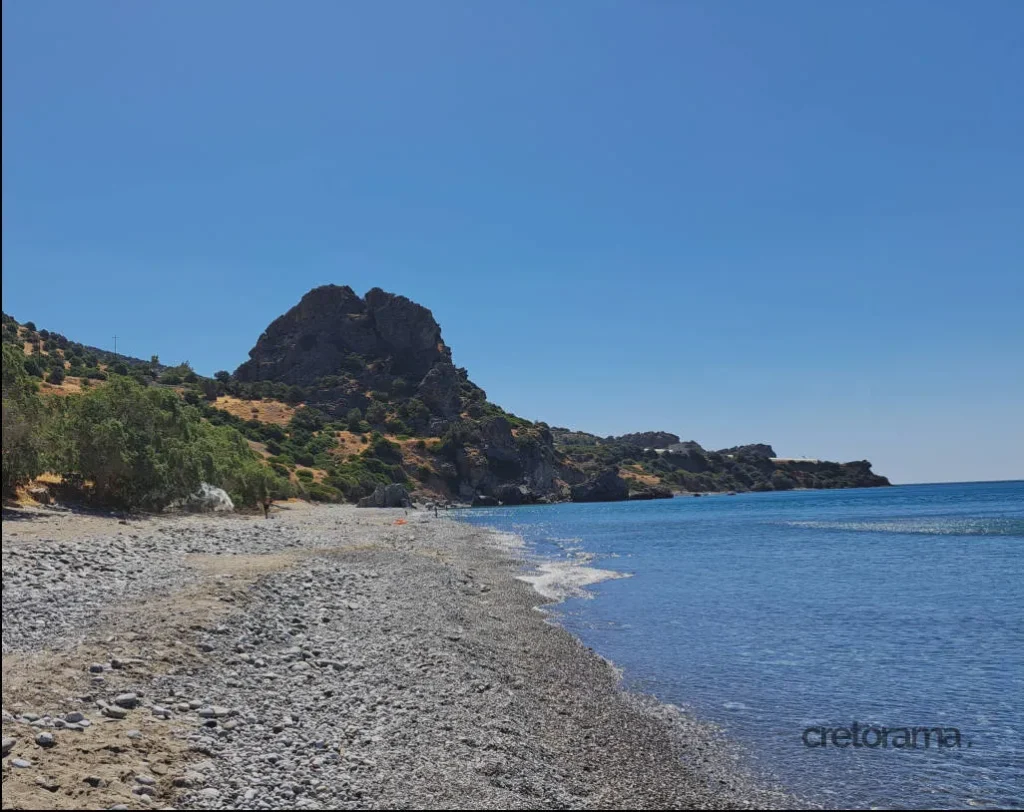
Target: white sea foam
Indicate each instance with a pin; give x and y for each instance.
(560, 580)
(504, 540)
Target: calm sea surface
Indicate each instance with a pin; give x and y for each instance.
(772, 613)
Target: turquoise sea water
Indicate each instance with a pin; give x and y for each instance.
(772, 613)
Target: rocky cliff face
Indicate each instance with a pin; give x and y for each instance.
(332, 331)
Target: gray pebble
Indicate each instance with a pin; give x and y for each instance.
(46, 740)
(114, 713)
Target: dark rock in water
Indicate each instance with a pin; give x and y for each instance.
(607, 486)
(386, 496)
(483, 500)
(650, 492)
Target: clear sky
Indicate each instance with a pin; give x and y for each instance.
(791, 222)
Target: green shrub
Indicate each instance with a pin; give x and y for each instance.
(353, 363)
(307, 418)
(56, 375)
(320, 492)
(376, 413)
(32, 366)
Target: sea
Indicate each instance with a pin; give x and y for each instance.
(864, 648)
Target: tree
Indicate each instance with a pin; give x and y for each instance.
(222, 375)
(376, 413)
(211, 389)
(23, 421)
(56, 375)
(130, 443)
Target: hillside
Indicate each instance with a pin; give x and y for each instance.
(343, 394)
(686, 466)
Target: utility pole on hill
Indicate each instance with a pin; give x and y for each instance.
(115, 346)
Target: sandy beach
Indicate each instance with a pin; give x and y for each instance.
(330, 657)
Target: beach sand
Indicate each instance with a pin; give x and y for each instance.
(326, 658)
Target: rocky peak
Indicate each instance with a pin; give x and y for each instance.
(320, 335)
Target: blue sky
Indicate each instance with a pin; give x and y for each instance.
(791, 222)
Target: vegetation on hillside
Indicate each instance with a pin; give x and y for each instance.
(688, 467)
(124, 444)
(130, 433)
(144, 435)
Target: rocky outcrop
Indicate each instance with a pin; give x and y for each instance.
(515, 495)
(332, 329)
(648, 439)
(386, 496)
(607, 486)
(690, 459)
(650, 492)
(750, 450)
(685, 447)
(439, 390)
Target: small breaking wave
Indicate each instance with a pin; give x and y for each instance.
(941, 526)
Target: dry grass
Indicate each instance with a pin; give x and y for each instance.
(69, 386)
(266, 411)
(637, 474)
